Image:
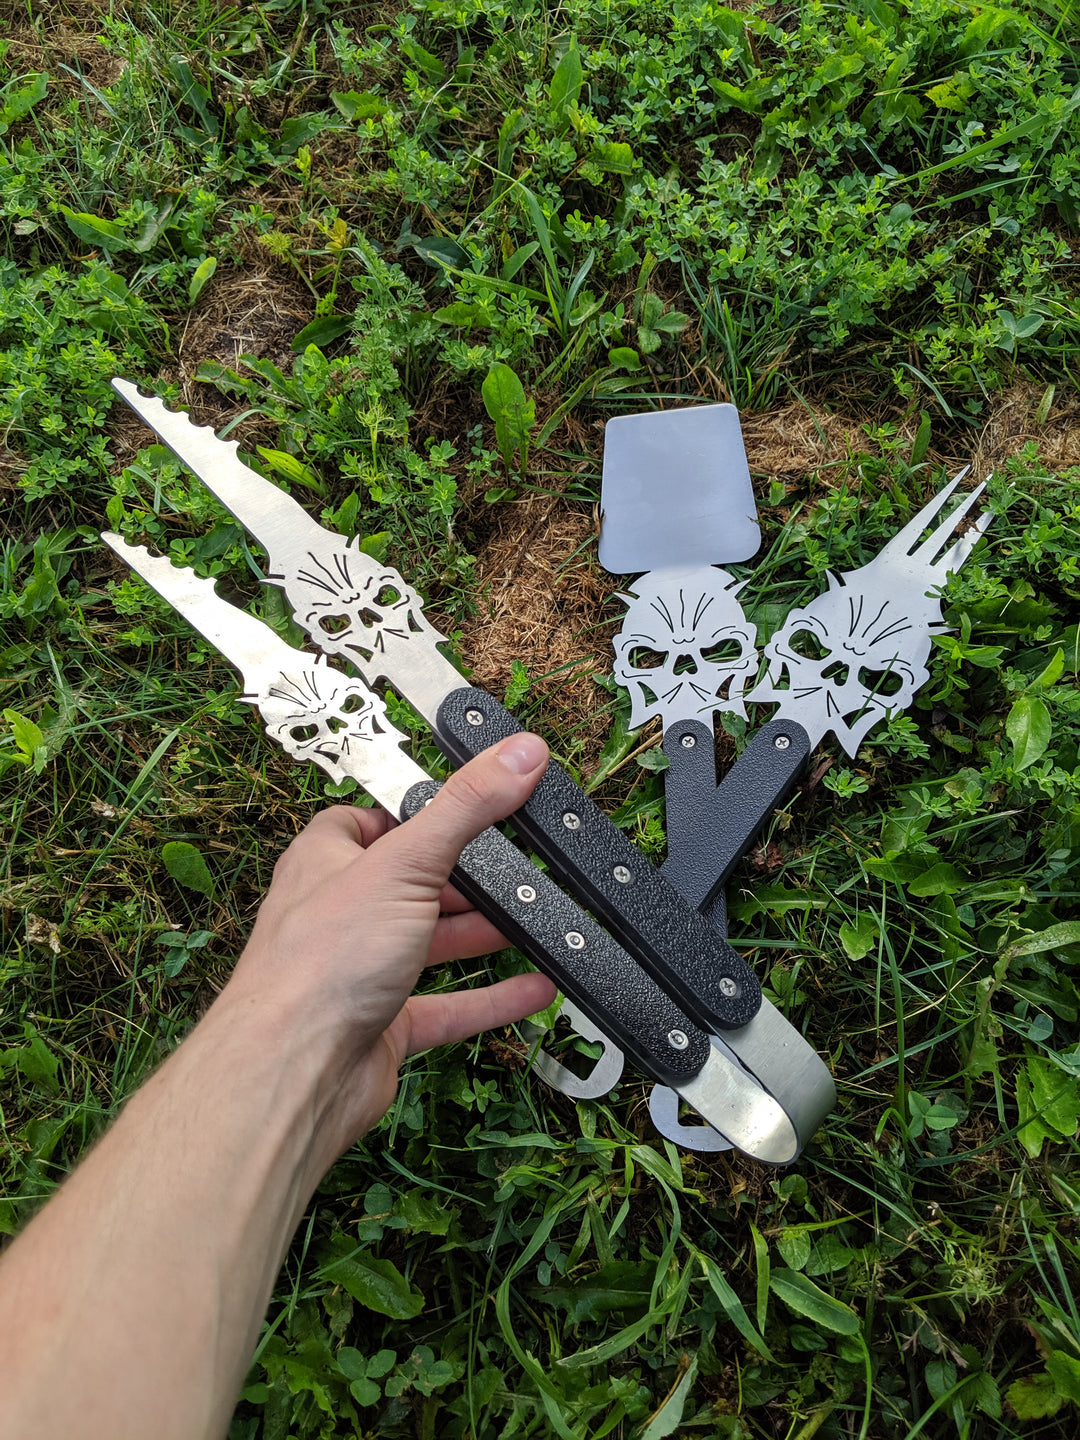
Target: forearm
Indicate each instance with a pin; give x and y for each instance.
(131, 1305)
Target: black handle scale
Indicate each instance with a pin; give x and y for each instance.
(648, 916)
(583, 960)
(710, 827)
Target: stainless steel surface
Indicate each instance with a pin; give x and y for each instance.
(664, 1107)
(858, 652)
(349, 604)
(607, 1068)
(311, 709)
(676, 490)
(736, 1106)
(686, 648)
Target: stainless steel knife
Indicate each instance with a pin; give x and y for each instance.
(321, 715)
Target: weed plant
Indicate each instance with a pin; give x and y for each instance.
(506, 222)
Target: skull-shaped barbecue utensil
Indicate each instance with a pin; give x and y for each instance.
(858, 651)
(686, 647)
(321, 715)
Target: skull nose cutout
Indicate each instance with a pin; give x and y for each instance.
(685, 665)
(837, 672)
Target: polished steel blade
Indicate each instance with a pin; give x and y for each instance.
(350, 605)
(314, 711)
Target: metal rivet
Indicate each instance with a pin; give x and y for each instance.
(474, 717)
(782, 742)
(575, 941)
(571, 821)
(678, 1040)
(688, 742)
(526, 894)
(622, 874)
(728, 986)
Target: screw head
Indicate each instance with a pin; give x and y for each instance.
(526, 894)
(622, 874)
(782, 742)
(678, 1039)
(571, 821)
(575, 940)
(688, 742)
(474, 717)
(728, 986)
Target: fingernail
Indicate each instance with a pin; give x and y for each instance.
(522, 753)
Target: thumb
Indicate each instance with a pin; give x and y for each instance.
(489, 788)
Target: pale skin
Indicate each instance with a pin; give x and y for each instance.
(130, 1306)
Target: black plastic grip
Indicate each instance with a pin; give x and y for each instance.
(585, 851)
(710, 827)
(583, 960)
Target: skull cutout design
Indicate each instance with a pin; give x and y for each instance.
(859, 651)
(320, 715)
(686, 647)
(848, 658)
(354, 608)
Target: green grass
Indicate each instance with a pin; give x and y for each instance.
(873, 209)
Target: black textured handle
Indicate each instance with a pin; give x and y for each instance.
(710, 827)
(592, 857)
(583, 960)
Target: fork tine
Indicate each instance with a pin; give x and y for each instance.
(924, 553)
(954, 558)
(904, 540)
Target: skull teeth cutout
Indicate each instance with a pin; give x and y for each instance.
(686, 647)
(352, 610)
(320, 715)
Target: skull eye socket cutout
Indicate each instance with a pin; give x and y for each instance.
(881, 682)
(640, 657)
(808, 645)
(686, 648)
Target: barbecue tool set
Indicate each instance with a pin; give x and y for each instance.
(640, 953)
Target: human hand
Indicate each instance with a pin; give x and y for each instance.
(358, 906)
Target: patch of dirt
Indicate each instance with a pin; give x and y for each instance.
(542, 598)
(1012, 424)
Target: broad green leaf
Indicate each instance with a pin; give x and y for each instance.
(35, 1061)
(624, 358)
(323, 330)
(1028, 727)
(26, 734)
(463, 312)
(1052, 673)
(620, 1285)
(20, 102)
(566, 82)
(1064, 1370)
(421, 1212)
(794, 1245)
(513, 414)
(940, 879)
(804, 1297)
(859, 939)
(95, 230)
(667, 1418)
(1036, 1397)
(614, 156)
(202, 274)
(292, 469)
(732, 1305)
(187, 867)
(376, 1283)
(1055, 937)
(357, 105)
